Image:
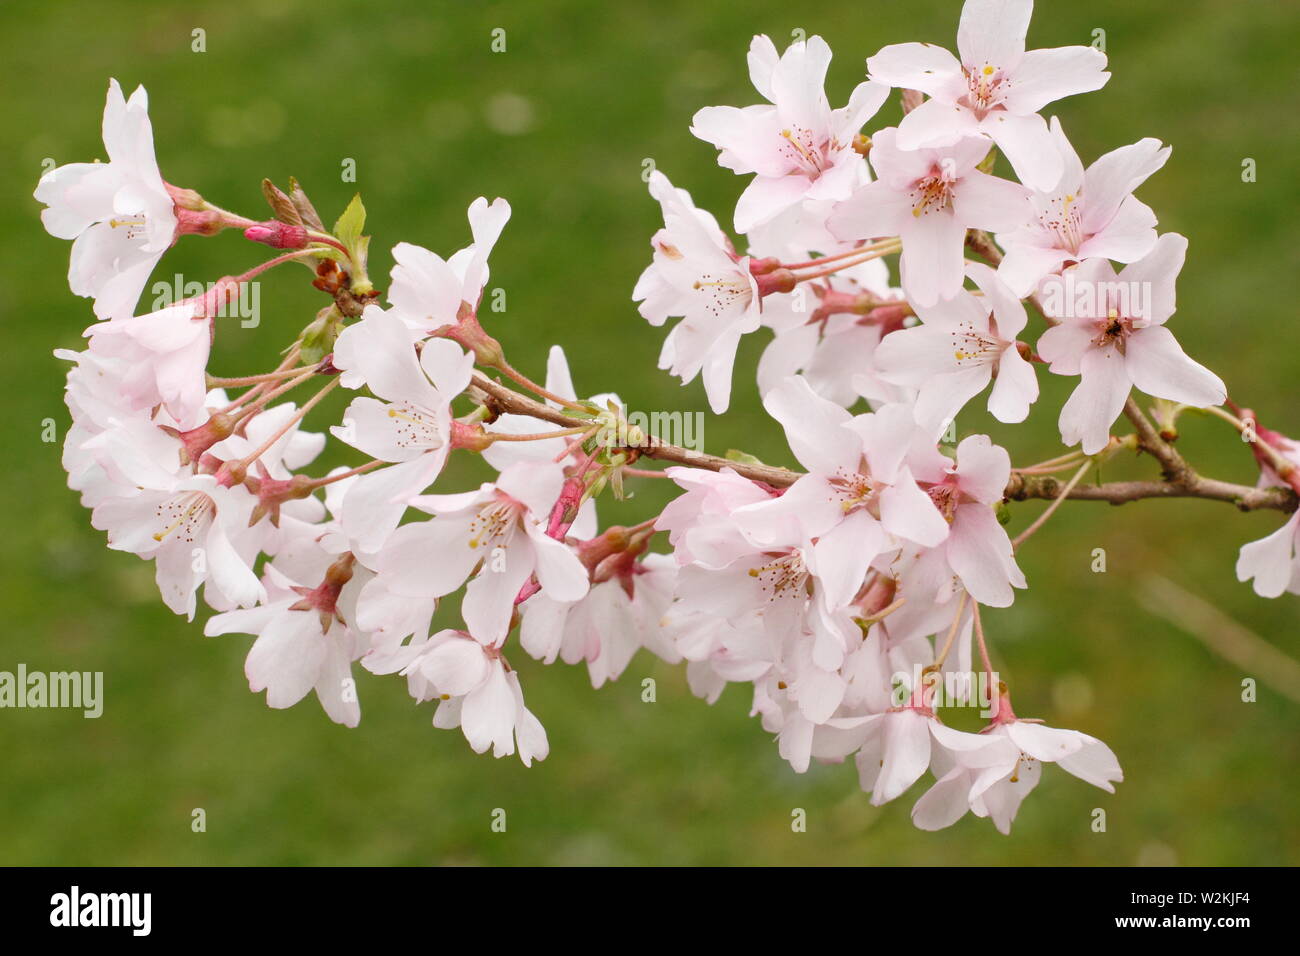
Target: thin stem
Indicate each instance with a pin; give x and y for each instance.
(822, 260)
(514, 374)
(984, 649)
(832, 269)
(1050, 509)
(217, 382)
(298, 416)
(359, 470)
(535, 436)
(952, 632)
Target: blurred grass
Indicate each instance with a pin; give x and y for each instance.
(585, 92)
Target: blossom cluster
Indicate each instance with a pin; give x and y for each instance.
(846, 596)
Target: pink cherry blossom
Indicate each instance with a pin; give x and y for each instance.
(1090, 213)
(696, 275)
(995, 90)
(1112, 334)
(961, 345)
(929, 198)
(798, 147)
(119, 214)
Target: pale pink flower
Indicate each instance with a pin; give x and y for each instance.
(427, 291)
(1090, 213)
(995, 90)
(119, 214)
(1112, 334)
(798, 147)
(697, 275)
(929, 198)
(501, 530)
(409, 423)
(1273, 561)
(961, 345)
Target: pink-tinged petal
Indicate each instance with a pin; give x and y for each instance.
(448, 366)
(559, 572)
(799, 81)
(1029, 147)
(944, 803)
(993, 32)
(935, 123)
(814, 427)
(1025, 265)
(941, 397)
(748, 138)
(536, 486)
(1129, 235)
(1094, 763)
(864, 102)
(1001, 800)
(907, 754)
(529, 732)
(1270, 560)
(404, 561)
(334, 679)
(424, 288)
(1159, 366)
(933, 258)
(787, 353)
(1110, 181)
(794, 743)
(228, 572)
(373, 506)
(983, 468)
(987, 202)
(487, 716)
(875, 211)
(1045, 76)
(1156, 276)
(766, 197)
(913, 356)
(490, 597)
(907, 511)
(286, 658)
(915, 66)
(1097, 401)
(1008, 310)
(455, 667)
(1045, 743)
(841, 557)
(1014, 389)
(817, 692)
(979, 553)
(808, 508)
(1064, 346)
(762, 59)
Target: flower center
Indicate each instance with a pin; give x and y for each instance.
(416, 427)
(855, 491)
(972, 347)
(184, 515)
(787, 576)
(932, 193)
(985, 87)
(496, 522)
(134, 225)
(722, 294)
(800, 147)
(1062, 217)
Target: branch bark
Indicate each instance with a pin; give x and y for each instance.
(1180, 480)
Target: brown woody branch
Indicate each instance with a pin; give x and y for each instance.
(1180, 480)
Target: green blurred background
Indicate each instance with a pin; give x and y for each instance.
(560, 124)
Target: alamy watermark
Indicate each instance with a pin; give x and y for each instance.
(78, 690)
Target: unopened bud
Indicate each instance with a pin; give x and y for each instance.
(277, 235)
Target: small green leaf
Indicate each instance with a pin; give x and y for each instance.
(741, 457)
(348, 229)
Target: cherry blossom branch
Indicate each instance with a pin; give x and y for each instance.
(1021, 487)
